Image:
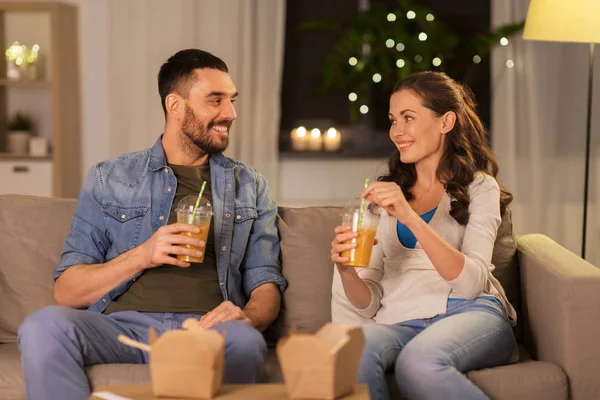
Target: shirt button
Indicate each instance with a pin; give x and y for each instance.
(229, 185)
(238, 217)
(123, 216)
(223, 248)
(169, 189)
(104, 300)
(161, 217)
(134, 279)
(221, 283)
(167, 170)
(228, 215)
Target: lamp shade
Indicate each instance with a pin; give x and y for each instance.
(563, 21)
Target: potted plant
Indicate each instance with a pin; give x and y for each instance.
(19, 132)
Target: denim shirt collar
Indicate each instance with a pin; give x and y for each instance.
(157, 159)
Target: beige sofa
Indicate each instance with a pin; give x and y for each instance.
(556, 293)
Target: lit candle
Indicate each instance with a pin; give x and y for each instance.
(299, 138)
(315, 142)
(333, 140)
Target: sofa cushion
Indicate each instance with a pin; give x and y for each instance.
(32, 232)
(505, 260)
(139, 374)
(118, 374)
(506, 266)
(12, 382)
(531, 380)
(306, 235)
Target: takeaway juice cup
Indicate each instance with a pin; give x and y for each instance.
(364, 220)
(201, 218)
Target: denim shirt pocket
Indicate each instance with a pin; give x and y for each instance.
(243, 219)
(124, 224)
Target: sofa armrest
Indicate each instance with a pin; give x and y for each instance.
(561, 311)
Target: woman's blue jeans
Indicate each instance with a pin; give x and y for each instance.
(430, 356)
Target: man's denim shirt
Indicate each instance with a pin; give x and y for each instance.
(123, 201)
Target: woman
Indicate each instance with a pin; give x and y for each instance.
(439, 312)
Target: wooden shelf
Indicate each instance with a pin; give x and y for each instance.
(23, 157)
(61, 87)
(26, 84)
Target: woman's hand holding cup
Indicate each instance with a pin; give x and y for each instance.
(341, 243)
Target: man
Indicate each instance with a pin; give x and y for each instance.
(119, 260)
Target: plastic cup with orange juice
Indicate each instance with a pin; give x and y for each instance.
(364, 220)
(194, 212)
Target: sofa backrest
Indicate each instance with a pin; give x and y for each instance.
(32, 232)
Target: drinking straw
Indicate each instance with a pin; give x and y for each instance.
(198, 200)
(362, 206)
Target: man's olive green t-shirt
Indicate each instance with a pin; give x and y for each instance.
(168, 288)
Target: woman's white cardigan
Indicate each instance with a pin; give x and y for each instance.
(405, 285)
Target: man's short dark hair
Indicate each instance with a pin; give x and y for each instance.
(177, 73)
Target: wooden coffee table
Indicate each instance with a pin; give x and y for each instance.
(227, 392)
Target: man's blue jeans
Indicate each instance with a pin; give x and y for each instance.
(430, 356)
(57, 343)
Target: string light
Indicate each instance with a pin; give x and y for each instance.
(400, 63)
(315, 133)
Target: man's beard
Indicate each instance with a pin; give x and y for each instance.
(200, 136)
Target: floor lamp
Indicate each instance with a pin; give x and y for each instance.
(569, 21)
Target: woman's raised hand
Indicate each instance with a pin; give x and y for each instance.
(389, 196)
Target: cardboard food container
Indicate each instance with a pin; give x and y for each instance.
(324, 365)
(184, 363)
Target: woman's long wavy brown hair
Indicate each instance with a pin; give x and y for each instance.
(467, 151)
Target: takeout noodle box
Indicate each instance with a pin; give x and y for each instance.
(187, 363)
(324, 365)
(184, 363)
